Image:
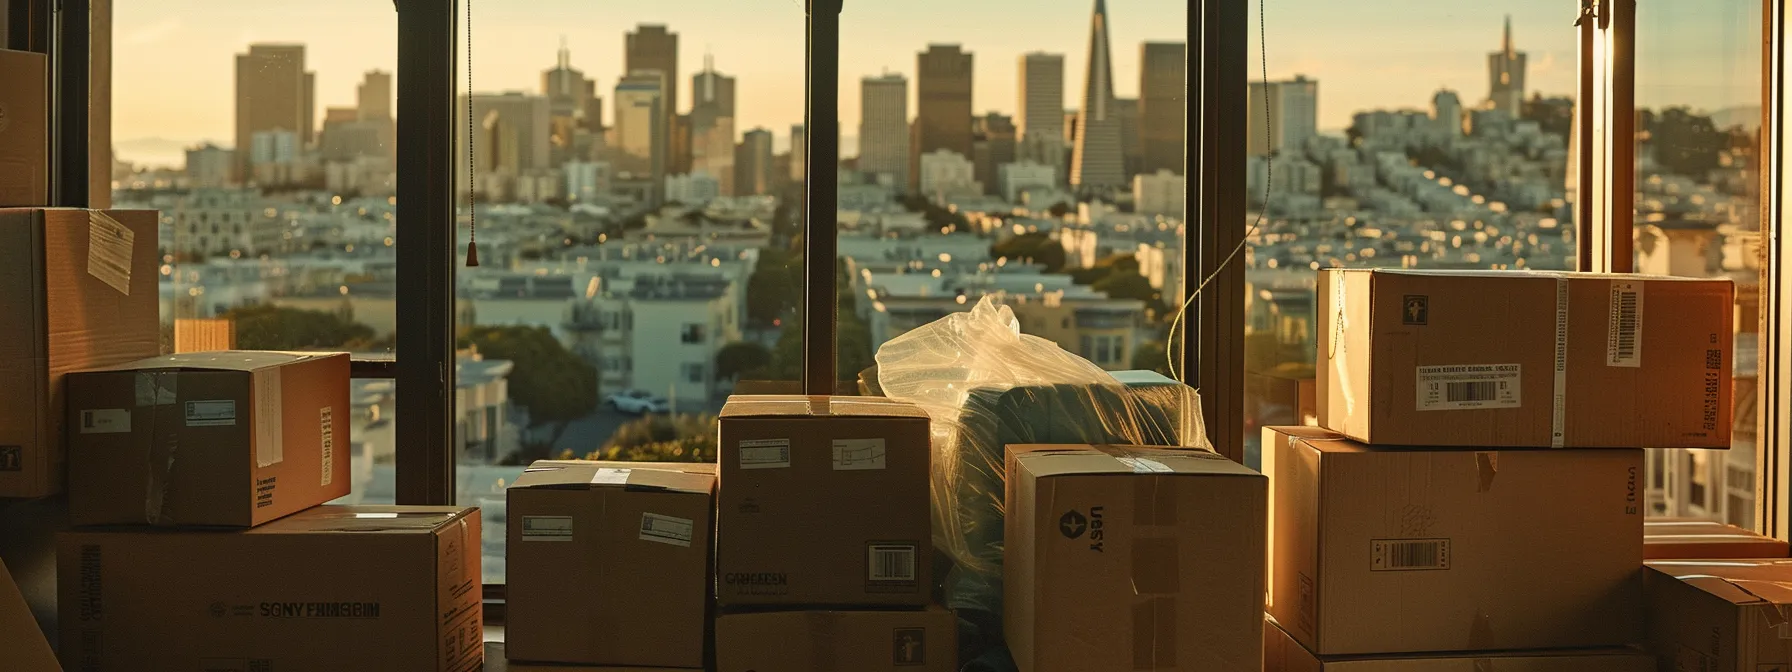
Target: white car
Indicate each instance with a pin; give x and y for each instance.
(638, 402)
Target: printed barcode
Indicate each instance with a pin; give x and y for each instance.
(1477, 390)
(1410, 554)
(1627, 323)
(87, 419)
(893, 563)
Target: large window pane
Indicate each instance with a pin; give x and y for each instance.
(1040, 163)
(1401, 134)
(1698, 99)
(638, 208)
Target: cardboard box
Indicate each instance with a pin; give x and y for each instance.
(234, 438)
(496, 661)
(1694, 539)
(331, 588)
(1399, 550)
(608, 563)
(24, 129)
(1282, 654)
(1525, 359)
(78, 289)
(1132, 558)
(22, 645)
(915, 640)
(1721, 615)
(824, 501)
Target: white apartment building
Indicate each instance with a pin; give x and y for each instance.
(1023, 176)
(945, 173)
(692, 188)
(586, 181)
(1161, 193)
(223, 222)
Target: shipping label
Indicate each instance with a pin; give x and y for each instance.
(856, 454)
(547, 528)
(106, 421)
(1624, 325)
(765, 454)
(667, 529)
(1408, 555)
(1445, 388)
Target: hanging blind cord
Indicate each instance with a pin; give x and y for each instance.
(472, 211)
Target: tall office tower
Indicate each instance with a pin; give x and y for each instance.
(640, 149)
(1446, 112)
(943, 101)
(1294, 105)
(884, 129)
(1163, 106)
(799, 152)
(652, 47)
(1505, 75)
(1041, 126)
(511, 134)
(712, 125)
(273, 92)
(1127, 111)
(569, 96)
(992, 147)
(1096, 162)
(373, 97)
(753, 163)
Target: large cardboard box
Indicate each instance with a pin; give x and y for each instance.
(234, 438)
(496, 661)
(1133, 558)
(22, 645)
(78, 289)
(24, 129)
(1383, 550)
(911, 640)
(1721, 615)
(331, 588)
(1525, 359)
(1282, 654)
(823, 501)
(608, 563)
(1694, 539)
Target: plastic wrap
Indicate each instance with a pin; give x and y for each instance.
(986, 386)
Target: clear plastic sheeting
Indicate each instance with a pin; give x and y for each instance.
(987, 386)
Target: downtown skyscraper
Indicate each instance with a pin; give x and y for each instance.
(1163, 104)
(712, 125)
(274, 93)
(943, 99)
(1097, 163)
(1041, 127)
(654, 48)
(883, 129)
(1505, 76)
(640, 151)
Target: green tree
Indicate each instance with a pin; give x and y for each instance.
(1036, 248)
(270, 327)
(1150, 357)
(739, 357)
(555, 385)
(1060, 209)
(1683, 142)
(684, 437)
(775, 286)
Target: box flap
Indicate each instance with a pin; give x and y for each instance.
(1325, 440)
(328, 519)
(1068, 459)
(224, 360)
(1737, 581)
(576, 475)
(25, 649)
(1520, 273)
(779, 405)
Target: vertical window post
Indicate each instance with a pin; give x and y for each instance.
(820, 234)
(1774, 429)
(1213, 335)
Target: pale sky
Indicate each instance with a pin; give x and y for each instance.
(174, 59)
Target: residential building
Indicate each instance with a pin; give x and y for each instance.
(1041, 122)
(1505, 76)
(692, 188)
(274, 157)
(484, 432)
(1295, 106)
(1097, 161)
(753, 164)
(586, 181)
(274, 91)
(652, 48)
(992, 146)
(1020, 177)
(943, 103)
(1160, 193)
(1163, 106)
(883, 129)
(209, 166)
(223, 223)
(1446, 113)
(945, 173)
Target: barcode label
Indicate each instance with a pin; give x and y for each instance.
(765, 454)
(326, 428)
(666, 529)
(1468, 386)
(106, 421)
(1623, 333)
(892, 562)
(1409, 555)
(547, 528)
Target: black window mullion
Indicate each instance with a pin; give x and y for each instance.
(1213, 335)
(820, 232)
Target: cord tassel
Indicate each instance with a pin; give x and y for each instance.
(472, 254)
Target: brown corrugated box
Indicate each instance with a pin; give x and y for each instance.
(1726, 615)
(1471, 358)
(1282, 654)
(495, 661)
(331, 588)
(917, 640)
(823, 501)
(77, 290)
(1405, 550)
(1693, 539)
(608, 563)
(1133, 558)
(24, 129)
(22, 644)
(234, 438)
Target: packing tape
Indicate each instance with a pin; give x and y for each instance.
(1154, 634)
(1156, 566)
(1774, 595)
(1154, 500)
(1487, 465)
(1559, 406)
(1338, 347)
(157, 393)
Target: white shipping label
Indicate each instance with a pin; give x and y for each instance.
(270, 434)
(608, 476)
(106, 421)
(1445, 388)
(891, 562)
(211, 413)
(765, 454)
(667, 530)
(855, 454)
(547, 528)
(109, 251)
(326, 428)
(1624, 325)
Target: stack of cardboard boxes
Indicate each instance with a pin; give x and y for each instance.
(1478, 489)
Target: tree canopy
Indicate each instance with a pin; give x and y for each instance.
(271, 327)
(554, 384)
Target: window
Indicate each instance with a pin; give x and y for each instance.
(1447, 151)
(1698, 128)
(637, 214)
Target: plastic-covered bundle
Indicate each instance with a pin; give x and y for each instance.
(986, 386)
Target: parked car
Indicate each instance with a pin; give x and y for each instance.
(638, 402)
